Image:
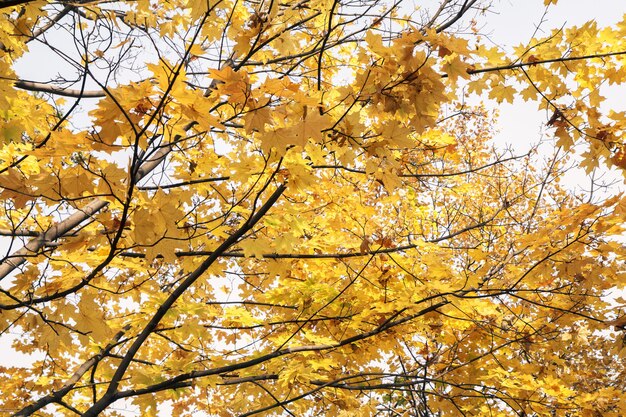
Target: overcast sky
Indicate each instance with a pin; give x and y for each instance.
(513, 22)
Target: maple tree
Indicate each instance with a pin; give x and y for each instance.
(239, 208)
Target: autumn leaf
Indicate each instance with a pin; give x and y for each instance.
(454, 67)
(365, 246)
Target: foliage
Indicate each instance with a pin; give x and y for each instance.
(286, 208)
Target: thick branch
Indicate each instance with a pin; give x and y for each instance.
(111, 394)
(56, 396)
(60, 91)
(56, 231)
(11, 3)
(9, 232)
(62, 228)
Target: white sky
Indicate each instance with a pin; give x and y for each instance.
(513, 22)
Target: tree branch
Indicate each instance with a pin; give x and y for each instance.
(111, 393)
(56, 396)
(12, 3)
(273, 355)
(60, 91)
(239, 254)
(539, 62)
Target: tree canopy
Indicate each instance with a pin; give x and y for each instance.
(235, 208)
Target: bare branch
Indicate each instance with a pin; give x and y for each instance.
(59, 91)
